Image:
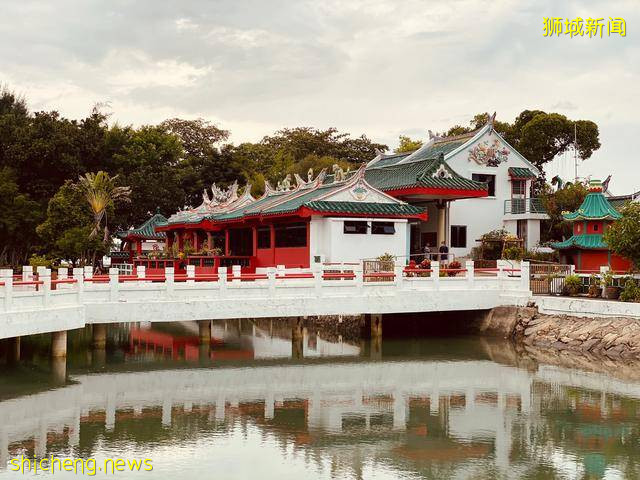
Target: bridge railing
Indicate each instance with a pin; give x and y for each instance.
(38, 290)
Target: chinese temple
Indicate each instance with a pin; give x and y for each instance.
(143, 239)
(337, 218)
(586, 248)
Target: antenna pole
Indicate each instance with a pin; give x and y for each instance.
(575, 151)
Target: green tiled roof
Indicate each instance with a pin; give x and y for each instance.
(147, 229)
(519, 172)
(419, 174)
(365, 208)
(387, 160)
(594, 207)
(433, 149)
(586, 240)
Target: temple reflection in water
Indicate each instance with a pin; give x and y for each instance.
(334, 412)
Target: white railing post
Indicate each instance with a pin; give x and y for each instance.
(359, 278)
(222, 279)
(168, 280)
(78, 276)
(63, 273)
(572, 269)
(318, 271)
(397, 271)
(191, 273)
(6, 276)
(88, 271)
(236, 270)
(435, 274)
(45, 276)
(471, 273)
(141, 271)
(524, 276)
(113, 284)
(271, 278)
(27, 273)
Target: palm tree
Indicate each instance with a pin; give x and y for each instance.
(101, 192)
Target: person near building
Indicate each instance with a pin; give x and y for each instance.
(444, 252)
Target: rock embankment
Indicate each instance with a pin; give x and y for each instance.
(613, 337)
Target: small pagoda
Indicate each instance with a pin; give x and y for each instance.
(586, 248)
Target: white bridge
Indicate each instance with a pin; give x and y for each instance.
(33, 304)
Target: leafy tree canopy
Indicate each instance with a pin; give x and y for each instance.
(623, 236)
(406, 144)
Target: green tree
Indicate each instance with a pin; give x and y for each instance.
(406, 144)
(623, 236)
(66, 231)
(101, 192)
(146, 159)
(566, 199)
(19, 215)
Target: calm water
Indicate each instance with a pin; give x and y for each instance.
(257, 405)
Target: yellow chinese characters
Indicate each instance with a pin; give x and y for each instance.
(578, 27)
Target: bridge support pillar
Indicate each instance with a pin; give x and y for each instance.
(59, 370)
(99, 336)
(204, 331)
(376, 325)
(13, 350)
(59, 344)
(297, 338)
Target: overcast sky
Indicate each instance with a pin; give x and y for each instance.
(380, 67)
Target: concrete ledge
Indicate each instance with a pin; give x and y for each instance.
(585, 307)
(33, 322)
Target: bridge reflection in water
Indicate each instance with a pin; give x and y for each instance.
(416, 411)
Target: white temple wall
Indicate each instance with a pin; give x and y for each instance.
(328, 240)
(481, 215)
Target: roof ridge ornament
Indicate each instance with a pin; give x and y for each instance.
(339, 175)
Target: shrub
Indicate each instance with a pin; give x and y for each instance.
(630, 292)
(572, 285)
(513, 253)
(455, 265)
(40, 261)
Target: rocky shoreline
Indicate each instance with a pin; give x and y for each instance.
(615, 337)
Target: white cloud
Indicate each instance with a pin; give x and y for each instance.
(378, 67)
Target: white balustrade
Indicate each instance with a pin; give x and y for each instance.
(282, 293)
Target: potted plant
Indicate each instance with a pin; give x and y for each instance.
(455, 265)
(572, 285)
(631, 291)
(609, 291)
(595, 289)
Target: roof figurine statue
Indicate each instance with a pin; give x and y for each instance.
(339, 175)
(310, 175)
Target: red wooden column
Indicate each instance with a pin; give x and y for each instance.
(209, 241)
(226, 242)
(139, 246)
(194, 241)
(180, 241)
(272, 243)
(254, 233)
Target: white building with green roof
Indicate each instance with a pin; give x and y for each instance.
(469, 184)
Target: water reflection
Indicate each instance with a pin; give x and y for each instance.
(445, 408)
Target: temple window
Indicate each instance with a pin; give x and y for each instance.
(264, 237)
(595, 227)
(459, 236)
(291, 235)
(518, 187)
(240, 241)
(383, 228)
(355, 227)
(490, 180)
